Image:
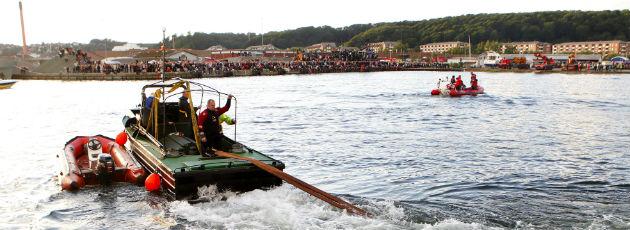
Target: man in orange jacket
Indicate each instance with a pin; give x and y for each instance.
(459, 84)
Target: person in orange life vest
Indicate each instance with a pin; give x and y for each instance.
(473, 82)
(450, 86)
(209, 123)
(459, 84)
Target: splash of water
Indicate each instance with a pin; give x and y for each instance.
(286, 207)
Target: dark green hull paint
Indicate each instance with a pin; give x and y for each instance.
(182, 175)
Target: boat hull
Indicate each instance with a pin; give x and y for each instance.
(183, 182)
(6, 84)
(457, 93)
(76, 173)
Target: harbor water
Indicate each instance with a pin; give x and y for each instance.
(537, 151)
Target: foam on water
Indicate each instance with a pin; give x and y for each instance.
(286, 207)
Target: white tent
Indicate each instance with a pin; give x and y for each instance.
(128, 46)
(118, 60)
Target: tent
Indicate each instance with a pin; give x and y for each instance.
(620, 59)
(110, 62)
(118, 60)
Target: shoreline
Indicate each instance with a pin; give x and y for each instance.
(246, 73)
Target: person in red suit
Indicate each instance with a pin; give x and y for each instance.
(209, 123)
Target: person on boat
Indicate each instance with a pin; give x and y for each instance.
(209, 123)
(148, 103)
(473, 82)
(224, 118)
(450, 86)
(183, 105)
(459, 84)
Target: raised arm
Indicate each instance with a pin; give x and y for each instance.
(225, 108)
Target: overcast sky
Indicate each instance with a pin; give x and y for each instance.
(142, 21)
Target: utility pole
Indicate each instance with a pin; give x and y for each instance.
(262, 33)
(173, 41)
(469, 48)
(24, 48)
(163, 49)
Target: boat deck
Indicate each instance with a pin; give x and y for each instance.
(197, 162)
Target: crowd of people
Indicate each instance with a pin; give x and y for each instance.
(306, 63)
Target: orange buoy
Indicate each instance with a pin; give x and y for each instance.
(121, 138)
(152, 183)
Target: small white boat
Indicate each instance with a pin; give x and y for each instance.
(5, 84)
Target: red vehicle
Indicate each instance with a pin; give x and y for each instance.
(543, 63)
(440, 59)
(571, 64)
(505, 64)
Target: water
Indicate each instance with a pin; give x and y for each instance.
(537, 151)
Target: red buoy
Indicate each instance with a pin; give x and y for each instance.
(121, 138)
(152, 183)
(435, 92)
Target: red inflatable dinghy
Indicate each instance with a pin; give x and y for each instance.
(456, 93)
(97, 160)
(467, 91)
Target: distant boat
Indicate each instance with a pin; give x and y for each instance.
(5, 84)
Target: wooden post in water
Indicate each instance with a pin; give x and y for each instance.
(24, 49)
(328, 198)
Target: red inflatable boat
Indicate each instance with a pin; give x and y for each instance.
(457, 93)
(97, 160)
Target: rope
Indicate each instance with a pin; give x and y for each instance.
(235, 107)
(324, 196)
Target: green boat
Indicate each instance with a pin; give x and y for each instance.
(173, 149)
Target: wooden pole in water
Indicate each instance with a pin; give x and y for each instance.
(328, 198)
(24, 49)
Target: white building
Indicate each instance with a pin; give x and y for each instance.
(323, 47)
(216, 48)
(442, 47)
(489, 58)
(262, 47)
(381, 47)
(183, 56)
(128, 46)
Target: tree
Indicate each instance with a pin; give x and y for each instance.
(551, 26)
(510, 49)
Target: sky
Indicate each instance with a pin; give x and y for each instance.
(142, 21)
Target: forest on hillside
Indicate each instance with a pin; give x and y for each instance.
(486, 32)
(552, 27)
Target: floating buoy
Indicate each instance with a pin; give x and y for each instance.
(121, 138)
(435, 92)
(152, 183)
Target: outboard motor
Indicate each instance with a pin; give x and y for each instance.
(105, 168)
(101, 163)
